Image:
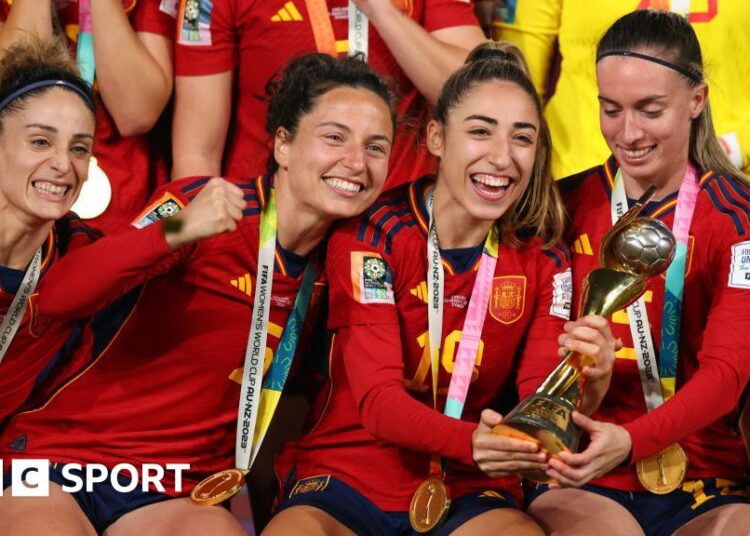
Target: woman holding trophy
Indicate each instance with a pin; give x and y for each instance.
(663, 457)
(440, 294)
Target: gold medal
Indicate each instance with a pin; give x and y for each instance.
(96, 193)
(218, 487)
(429, 505)
(663, 473)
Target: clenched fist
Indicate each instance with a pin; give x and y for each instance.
(216, 209)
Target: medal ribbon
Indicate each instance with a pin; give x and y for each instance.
(258, 402)
(659, 386)
(85, 43)
(12, 320)
(278, 372)
(320, 23)
(473, 322)
(359, 30)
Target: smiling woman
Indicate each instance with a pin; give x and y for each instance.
(454, 280)
(46, 133)
(664, 458)
(214, 296)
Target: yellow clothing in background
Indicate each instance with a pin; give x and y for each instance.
(573, 110)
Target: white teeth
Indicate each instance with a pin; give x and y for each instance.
(47, 188)
(490, 180)
(637, 153)
(341, 184)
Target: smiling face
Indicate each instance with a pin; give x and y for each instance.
(487, 149)
(646, 112)
(337, 161)
(44, 154)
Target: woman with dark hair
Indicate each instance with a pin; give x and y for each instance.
(125, 50)
(156, 383)
(47, 126)
(663, 456)
(413, 319)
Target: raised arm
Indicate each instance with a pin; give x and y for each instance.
(134, 69)
(201, 119)
(427, 56)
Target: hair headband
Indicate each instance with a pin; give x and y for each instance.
(48, 83)
(688, 72)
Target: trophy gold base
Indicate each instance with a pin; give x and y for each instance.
(545, 420)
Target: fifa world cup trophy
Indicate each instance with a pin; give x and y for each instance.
(633, 251)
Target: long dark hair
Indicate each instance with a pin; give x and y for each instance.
(539, 211)
(293, 92)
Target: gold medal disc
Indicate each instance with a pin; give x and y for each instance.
(218, 487)
(429, 505)
(663, 473)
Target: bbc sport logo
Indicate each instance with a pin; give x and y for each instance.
(30, 477)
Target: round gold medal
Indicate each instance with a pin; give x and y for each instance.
(663, 473)
(429, 505)
(218, 487)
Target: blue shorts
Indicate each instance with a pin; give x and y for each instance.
(104, 504)
(350, 507)
(662, 515)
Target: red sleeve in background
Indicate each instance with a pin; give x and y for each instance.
(214, 49)
(155, 16)
(374, 368)
(440, 14)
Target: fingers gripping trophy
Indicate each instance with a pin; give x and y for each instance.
(632, 252)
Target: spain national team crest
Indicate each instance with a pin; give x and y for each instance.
(508, 298)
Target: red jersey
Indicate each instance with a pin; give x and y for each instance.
(715, 331)
(256, 38)
(379, 405)
(135, 165)
(39, 338)
(158, 378)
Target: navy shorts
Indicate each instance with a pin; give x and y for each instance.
(104, 504)
(662, 515)
(350, 507)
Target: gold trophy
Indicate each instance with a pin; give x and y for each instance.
(632, 252)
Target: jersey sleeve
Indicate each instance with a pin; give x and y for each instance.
(440, 14)
(375, 371)
(155, 16)
(723, 366)
(361, 281)
(551, 310)
(91, 277)
(206, 41)
(533, 26)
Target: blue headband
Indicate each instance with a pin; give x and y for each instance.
(48, 83)
(689, 72)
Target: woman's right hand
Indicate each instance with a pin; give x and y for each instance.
(216, 209)
(501, 456)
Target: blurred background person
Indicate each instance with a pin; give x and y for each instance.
(559, 40)
(227, 50)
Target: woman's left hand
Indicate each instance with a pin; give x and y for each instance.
(610, 446)
(591, 337)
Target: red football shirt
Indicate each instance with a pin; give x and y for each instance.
(378, 428)
(715, 331)
(39, 338)
(135, 165)
(255, 38)
(157, 378)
